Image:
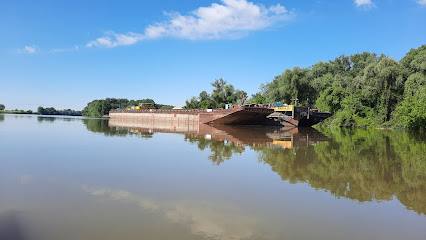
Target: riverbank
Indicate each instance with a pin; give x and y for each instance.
(29, 112)
(17, 112)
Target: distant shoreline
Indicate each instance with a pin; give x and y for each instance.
(18, 112)
(29, 112)
(36, 114)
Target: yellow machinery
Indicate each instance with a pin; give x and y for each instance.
(283, 144)
(146, 106)
(288, 108)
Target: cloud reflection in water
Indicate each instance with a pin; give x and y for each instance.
(207, 219)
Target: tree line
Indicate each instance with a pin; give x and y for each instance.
(53, 111)
(42, 111)
(361, 90)
(101, 107)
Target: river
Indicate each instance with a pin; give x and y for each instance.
(74, 178)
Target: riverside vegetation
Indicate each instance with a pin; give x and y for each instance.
(42, 111)
(361, 91)
(101, 107)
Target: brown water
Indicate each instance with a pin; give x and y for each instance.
(73, 178)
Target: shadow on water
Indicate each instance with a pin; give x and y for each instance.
(1, 117)
(11, 227)
(362, 165)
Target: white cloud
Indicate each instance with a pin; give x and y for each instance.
(421, 2)
(59, 50)
(230, 19)
(27, 50)
(360, 3)
(113, 40)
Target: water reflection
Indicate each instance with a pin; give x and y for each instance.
(41, 119)
(223, 140)
(11, 227)
(363, 165)
(204, 182)
(1, 117)
(103, 126)
(211, 220)
(53, 118)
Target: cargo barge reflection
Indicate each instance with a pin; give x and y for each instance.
(254, 136)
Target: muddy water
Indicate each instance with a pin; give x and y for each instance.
(74, 178)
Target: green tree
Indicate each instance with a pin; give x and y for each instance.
(222, 94)
(192, 103)
(258, 98)
(411, 113)
(2, 107)
(292, 84)
(361, 90)
(99, 108)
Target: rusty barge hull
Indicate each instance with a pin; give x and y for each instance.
(233, 116)
(245, 115)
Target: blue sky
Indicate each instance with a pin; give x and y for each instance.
(67, 53)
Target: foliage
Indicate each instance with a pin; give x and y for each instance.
(132, 103)
(257, 98)
(222, 94)
(101, 107)
(411, 113)
(16, 111)
(361, 90)
(165, 106)
(53, 111)
(2, 107)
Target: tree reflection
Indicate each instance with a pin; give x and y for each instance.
(363, 165)
(101, 126)
(221, 150)
(45, 119)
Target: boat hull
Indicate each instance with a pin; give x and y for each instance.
(301, 117)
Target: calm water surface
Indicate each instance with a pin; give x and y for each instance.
(72, 178)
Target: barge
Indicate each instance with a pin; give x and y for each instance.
(251, 114)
